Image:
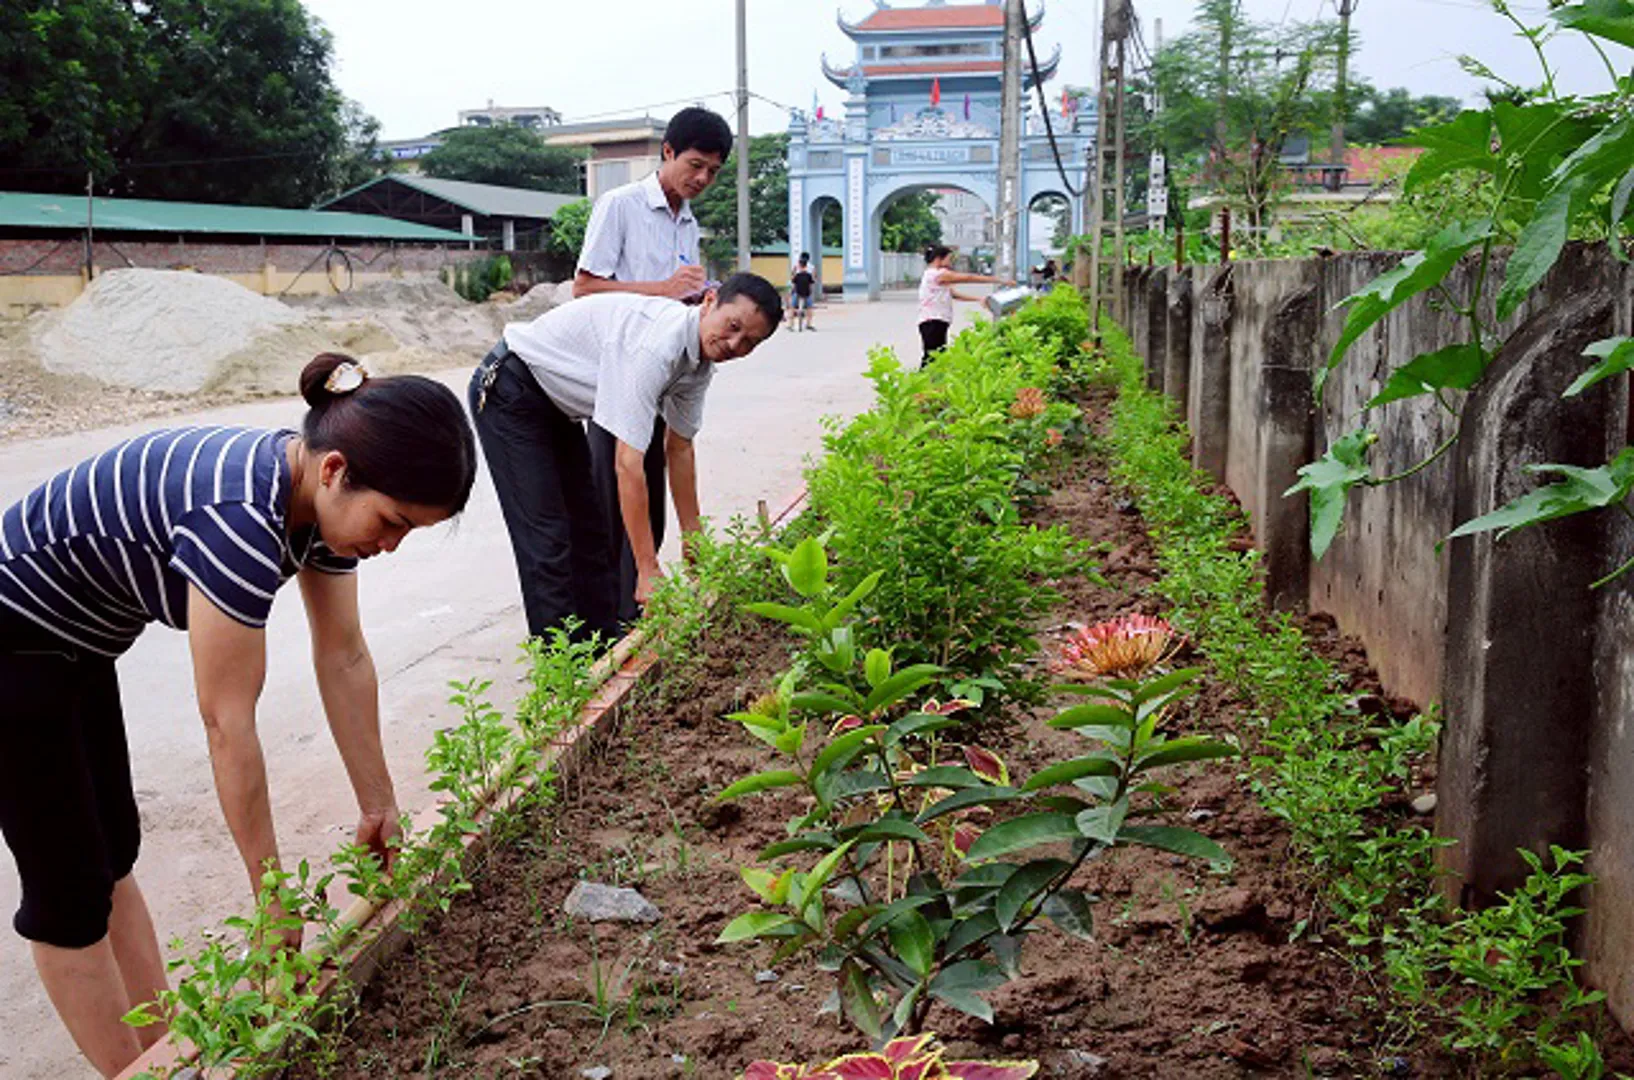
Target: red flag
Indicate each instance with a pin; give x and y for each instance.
(819, 112)
(1066, 104)
(936, 91)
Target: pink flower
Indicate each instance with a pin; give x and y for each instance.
(915, 1057)
(1125, 647)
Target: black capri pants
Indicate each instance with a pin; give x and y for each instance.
(933, 336)
(67, 808)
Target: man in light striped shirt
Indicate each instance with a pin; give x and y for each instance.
(618, 360)
(643, 238)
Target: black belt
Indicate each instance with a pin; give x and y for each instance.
(500, 356)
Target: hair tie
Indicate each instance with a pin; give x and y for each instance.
(345, 378)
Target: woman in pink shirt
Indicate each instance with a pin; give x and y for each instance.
(936, 296)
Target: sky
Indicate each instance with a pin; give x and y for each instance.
(414, 64)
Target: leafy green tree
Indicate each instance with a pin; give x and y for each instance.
(910, 223)
(507, 155)
(717, 207)
(209, 100)
(1381, 116)
(567, 228)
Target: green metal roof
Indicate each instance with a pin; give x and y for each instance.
(33, 211)
(488, 200)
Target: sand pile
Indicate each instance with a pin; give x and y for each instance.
(156, 329)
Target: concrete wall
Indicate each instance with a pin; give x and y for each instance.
(38, 274)
(1533, 669)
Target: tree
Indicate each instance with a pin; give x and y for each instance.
(1382, 116)
(910, 223)
(209, 100)
(567, 227)
(717, 207)
(506, 155)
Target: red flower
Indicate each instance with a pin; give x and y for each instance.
(1028, 404)
(917, 1057)
(1125, 647)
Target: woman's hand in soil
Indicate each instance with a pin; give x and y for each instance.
(376, 829)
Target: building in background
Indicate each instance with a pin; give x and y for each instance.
(511, 219)
(967, 222)
(533, 118)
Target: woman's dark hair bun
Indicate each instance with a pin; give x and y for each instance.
(315, 377)
(936, 251)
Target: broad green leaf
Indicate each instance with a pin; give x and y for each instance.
(1065, 772)
(1582, 489)
(1456, 367)
(842, 611)
(850, 784)
(1158, 687)
(948, 776)
(876, 667)
(770, 887)
(1462, 143)
(1098, 690)
(1100, 715)
(970, 930)
(1101, 787)
(1101, 823)
(984, 876)
(1616, 356)
(1609, 19)
(918, 724)
(749, 785)
(899, 686)
(857, 997)
(752, 924)
(1594, 165)
(1329, 480)
(1532, 139)
(986, 795)
(888, 914)
(914, 942)
(904, 1008)
(807, 569)
(1023, 887)
(1070, 911)
(821, 873)
(841, 749)
(1176, 841)
(821, 701)
(1021, 833)
(1619, 210)
(796, 617)
(1418, 272)
(961, 984)
(1189, 748)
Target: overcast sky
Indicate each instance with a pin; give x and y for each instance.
(415, 63)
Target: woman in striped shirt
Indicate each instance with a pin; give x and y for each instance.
(195, 528)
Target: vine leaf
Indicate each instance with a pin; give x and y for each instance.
(1418, 272)
(1593, 166)
(1609, 19)
(1617, 356)
(1580, 490)
(1465, 142)
(1456, 367)
(1329, 479)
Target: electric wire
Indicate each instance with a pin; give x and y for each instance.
(1044, 105)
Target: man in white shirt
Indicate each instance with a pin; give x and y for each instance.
(619, 360)
(643, 238)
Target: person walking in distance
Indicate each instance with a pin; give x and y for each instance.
(801, 286)
(618, 360)
(936, 296)
(196, 528)
(642, 238)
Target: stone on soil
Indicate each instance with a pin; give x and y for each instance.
(606, 903)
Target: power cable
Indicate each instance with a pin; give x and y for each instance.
(1044, 105)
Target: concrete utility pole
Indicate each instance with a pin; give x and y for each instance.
(1109, 145)
(1341, 103)
(1228, 26)
(1009, 143)
(90, 225)
(1157, 169)
(743, 135)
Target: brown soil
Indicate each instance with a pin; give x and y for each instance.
(1193, 975)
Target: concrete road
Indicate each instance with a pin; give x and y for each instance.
(445, 606)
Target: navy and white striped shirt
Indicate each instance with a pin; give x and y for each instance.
(110, 545)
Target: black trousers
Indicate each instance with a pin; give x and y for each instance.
(933, 336)
(603, 451)
(539, 459)
(67, 808)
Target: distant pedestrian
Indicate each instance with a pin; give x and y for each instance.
(800, 293)
(196, 528)
(618, 360)
(643, 238)
(936, 296)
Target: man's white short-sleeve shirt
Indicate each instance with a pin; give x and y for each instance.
(634, 236)
(619, 359)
